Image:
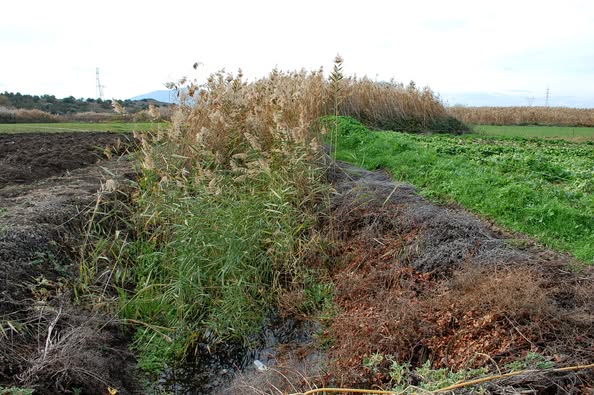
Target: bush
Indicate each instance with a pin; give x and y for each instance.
(228, 197)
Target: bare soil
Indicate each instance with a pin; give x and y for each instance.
(28, 157)
(47, 183)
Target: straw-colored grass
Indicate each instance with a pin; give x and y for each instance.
(554, 116)
(393, 106)
(226, 211)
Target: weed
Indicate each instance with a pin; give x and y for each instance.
(226, 203)
(393, 106)
(532, 360)
(15, 391)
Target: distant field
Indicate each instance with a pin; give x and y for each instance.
(561, 132)
(121, 127)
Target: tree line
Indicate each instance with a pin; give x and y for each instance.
(70, 105)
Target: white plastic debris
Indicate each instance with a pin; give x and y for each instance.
(260, 366)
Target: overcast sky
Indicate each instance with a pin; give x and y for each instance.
(508, 48)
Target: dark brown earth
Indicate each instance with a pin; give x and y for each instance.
(48, 342)
(27, 157)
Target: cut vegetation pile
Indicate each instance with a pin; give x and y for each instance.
(557, 116)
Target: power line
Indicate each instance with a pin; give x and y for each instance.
(99, 87)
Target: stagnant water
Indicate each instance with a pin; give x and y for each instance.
(214, 373)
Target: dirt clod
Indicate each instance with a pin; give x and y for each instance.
(47, 183)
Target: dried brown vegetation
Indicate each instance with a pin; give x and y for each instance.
(10, 115)
(393, 106)
(458, 310)
(558, 116)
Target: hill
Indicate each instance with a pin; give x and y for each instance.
(163, 96)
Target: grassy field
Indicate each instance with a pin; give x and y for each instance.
(121, 127)
(544, 188)
(558, 132)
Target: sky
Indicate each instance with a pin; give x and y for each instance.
(467, 51)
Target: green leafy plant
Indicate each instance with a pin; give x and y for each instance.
(428, 379)
(15, 391)
(532, 360)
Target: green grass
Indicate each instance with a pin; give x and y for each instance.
(208, 259)
(559, 132)
(119, 127)
(544, 188)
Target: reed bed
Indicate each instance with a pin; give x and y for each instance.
(552, 116)
(394, 106)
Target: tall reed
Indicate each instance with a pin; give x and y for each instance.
(391, 105)
(226, 210)
(557, 116)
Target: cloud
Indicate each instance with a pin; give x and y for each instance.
(459, 45)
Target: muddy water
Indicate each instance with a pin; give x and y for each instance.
(281, 346)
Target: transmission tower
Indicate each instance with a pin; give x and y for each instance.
(547, 98)
(99, 88)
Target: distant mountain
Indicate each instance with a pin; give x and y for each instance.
(165, 96)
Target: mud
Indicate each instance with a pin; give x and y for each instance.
(47, 183)
(283, 355)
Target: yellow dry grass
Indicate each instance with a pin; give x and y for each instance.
(559, 116)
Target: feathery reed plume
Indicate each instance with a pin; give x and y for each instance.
(117, 107)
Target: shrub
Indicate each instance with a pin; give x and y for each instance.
(35, 116)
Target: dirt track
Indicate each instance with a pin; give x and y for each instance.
(47, 182)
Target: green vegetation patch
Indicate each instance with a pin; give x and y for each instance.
(120, 127)
(558, 132)
(544, 188)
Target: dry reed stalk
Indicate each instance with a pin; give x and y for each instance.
(559, 116)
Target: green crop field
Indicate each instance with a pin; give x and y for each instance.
(120, 127)
(559, 132)
(544, 188)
